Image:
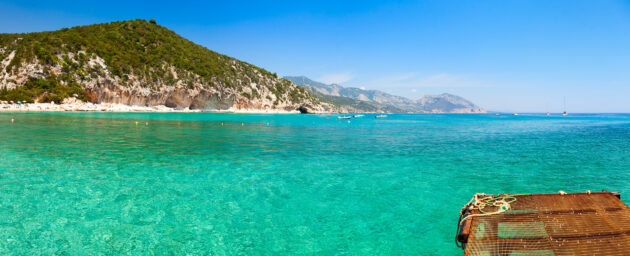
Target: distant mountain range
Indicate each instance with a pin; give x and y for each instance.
(350, 99)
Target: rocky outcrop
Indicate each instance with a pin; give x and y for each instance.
(308, 109)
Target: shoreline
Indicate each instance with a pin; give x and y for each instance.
(122, 108)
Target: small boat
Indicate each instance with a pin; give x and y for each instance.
(564, 113)
(381, 116)
(355, 116)
(515, 114)
(547, 113)
(344, 117)
(497, 114)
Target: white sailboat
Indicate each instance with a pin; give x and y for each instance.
(547, 108)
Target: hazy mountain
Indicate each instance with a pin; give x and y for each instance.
(378, 101)
(137, 63)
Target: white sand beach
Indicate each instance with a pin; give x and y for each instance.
(77, 105)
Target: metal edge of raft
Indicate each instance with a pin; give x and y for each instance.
(464, 223)
(463, 229)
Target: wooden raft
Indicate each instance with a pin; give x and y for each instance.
(551, 224)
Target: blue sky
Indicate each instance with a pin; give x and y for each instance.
(523, 56)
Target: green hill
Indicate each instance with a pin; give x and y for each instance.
(138, 63)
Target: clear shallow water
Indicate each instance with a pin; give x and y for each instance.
(295, 185)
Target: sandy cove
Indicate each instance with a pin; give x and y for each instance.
(107, 107)
(86, 107)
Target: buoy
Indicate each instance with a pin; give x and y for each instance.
(147, 123)
(221, 123)
(99, 122)
(562, 193)
(178, 123)
(259, 124)
(136, 123)
(12, 120)
(588, 192)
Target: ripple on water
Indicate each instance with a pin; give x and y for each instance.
(304, 184)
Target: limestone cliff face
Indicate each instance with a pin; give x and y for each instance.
(103, 87)
(202, 80)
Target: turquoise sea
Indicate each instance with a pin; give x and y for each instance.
(253, 184)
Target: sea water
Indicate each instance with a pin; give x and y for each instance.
(253, 184)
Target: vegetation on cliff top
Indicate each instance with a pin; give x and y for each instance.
(125, 46)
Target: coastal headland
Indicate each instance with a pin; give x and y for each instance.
(139, 65)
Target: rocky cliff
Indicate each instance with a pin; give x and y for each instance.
(138, 63)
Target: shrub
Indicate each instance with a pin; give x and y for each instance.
(46, 90)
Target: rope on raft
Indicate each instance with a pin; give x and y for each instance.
(479, 202)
